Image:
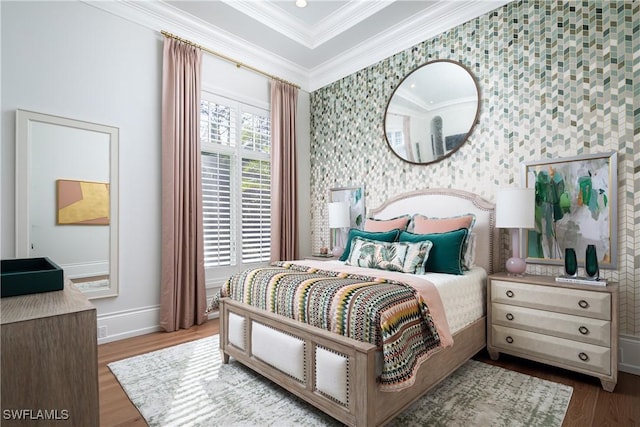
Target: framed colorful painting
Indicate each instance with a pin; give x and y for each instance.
(576, 205)
(82, 202)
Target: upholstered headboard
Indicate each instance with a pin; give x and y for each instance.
(440, 203)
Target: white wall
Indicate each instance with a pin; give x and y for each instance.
(73, 60)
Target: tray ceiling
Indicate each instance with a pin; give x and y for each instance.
(312, 46)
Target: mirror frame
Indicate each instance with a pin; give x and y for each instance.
(24, 119)
(466, 137)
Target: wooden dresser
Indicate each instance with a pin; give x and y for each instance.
(49, 359)
(566, 325)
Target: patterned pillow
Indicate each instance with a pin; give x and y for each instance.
(417, 256)
(470, 253)
(405, 257)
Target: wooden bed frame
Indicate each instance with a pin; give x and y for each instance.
(365, 403)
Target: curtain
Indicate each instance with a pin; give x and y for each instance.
(406, 132)
(284, 213)
(182, 297)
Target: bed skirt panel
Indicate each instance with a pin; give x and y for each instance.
(332, 374)
(282, 351)
(237, 331)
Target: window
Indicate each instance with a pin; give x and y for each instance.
(236, 182)
(396, 141)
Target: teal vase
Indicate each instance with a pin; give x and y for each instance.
(591, 263)
(570, 262)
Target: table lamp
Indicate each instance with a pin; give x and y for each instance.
(338, 218)
(515, 209)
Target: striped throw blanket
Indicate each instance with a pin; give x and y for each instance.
(387, 313)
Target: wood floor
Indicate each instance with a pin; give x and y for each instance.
(590, 405)
(115, 407)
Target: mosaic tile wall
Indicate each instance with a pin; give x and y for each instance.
(557, 79)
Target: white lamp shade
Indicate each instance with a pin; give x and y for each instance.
(515, 208)
(339, 215)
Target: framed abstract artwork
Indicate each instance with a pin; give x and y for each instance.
(576, 205)
(82, 202)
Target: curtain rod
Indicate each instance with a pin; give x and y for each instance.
(238, 64)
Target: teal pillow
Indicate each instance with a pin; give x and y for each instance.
(384, 236)
(447, 253)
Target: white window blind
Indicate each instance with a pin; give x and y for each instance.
(216, 200)
(236, 182)
(256, 210)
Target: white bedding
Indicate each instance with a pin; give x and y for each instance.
(463, 297)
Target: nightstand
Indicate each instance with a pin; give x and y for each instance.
(571, 326)
(319, 257)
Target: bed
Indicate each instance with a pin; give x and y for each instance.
(340, 375)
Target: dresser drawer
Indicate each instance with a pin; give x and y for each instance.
(577, 328)
(558, 351)
(578, 302)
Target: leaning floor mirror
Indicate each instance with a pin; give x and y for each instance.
(67, 198)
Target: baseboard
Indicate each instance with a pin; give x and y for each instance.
(128, 323)
(629, 360)
(87, 269)
(132, 323)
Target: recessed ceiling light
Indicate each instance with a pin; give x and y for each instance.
(301, 3)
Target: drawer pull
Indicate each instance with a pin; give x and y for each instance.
(583, 356)
(582, 303)
(583, 330)
(510, 341)
(510, 294)
(509, 316)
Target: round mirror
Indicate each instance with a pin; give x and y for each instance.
(432, 112)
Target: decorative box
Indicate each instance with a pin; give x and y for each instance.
(29, 276)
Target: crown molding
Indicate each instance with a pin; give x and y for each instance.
(159, 16)
(309, 36)
(398, 38)
(344, 18)
(276, 19)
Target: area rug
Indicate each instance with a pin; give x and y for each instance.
(187, 385)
